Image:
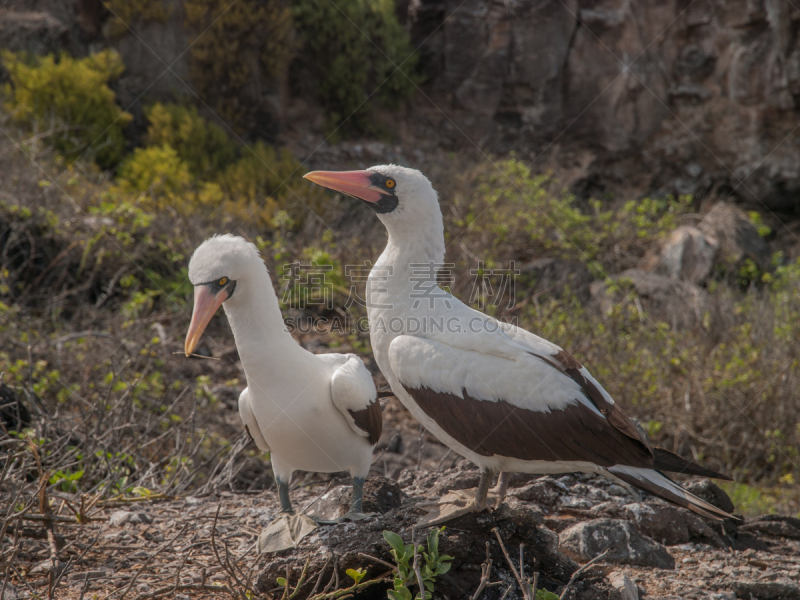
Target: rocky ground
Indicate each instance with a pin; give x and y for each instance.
(205, 547)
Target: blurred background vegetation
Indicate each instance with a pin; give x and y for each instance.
(102, 204)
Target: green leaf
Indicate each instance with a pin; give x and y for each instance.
(356, 574)
(395, 541)
(543, 594)
(401, 592)
(281, 581)
(433, 540)
(429, 585)
(443, 568)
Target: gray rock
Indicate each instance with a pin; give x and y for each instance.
(543, 491)
(687, 254)
(679, 303)
(35, 32)
(622, 588)
(380, 496)
(775, 525)
(738, 238)
(626, 545)
(670, 525)
(711, 493)
(121, 517)
(710, 83)
(765, 590)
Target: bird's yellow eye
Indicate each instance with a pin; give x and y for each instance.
(222, 281)
(389, 183)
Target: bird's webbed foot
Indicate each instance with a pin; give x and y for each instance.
(457, 503)
(285, 532)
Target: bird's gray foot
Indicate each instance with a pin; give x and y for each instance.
(498, 494)
(288, 528)
(356, 512)
(457, 503)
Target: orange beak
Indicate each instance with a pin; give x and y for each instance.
(205, 305)
(353, 183)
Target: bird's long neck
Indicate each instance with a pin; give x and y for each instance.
(413, 256)
(255, 317)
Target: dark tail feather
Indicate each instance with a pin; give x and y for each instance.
(671, 462)
(663, 487)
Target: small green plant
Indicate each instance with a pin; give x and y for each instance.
(356, 574)
(66, 480)
(70, 98)
(543, 594)
(431, 565)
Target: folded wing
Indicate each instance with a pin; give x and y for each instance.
(354, 394)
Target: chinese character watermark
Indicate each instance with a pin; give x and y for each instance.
(306, 285)
(483, 292)
(426, 278)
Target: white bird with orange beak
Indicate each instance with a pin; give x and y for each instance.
(311, 412)
(500, 396)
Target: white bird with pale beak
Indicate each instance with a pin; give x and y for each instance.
(311, 412)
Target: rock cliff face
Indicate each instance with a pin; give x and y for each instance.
(672, 96)
(642, 96)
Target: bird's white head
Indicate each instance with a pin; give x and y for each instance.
(403, 198)
(216, 268)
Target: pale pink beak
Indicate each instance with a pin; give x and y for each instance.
(352, 183)
(205, 305)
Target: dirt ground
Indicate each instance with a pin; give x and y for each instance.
(206, 547)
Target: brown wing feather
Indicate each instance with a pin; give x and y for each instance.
(568, 364)
(694, 504)
(669, 461)
(489, 428)
(369, 419)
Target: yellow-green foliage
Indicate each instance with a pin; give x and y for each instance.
(203, 146)
(202, 173)
(70, 98)
(157, 170)
(265, 186)
(515, 209)
(127, 13)
(243, 44)
(356, 48)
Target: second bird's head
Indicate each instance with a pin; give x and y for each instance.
(401, 197)
(216, 268)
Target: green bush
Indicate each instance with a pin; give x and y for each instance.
(243, 44)
(515, 215)
(70, 99)
(203, 146)
(270, 178)
(356, 48)
(157, 170)
(128, 12)
(261, 182)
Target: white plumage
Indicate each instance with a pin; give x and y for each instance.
(501, 396)
(311, 412)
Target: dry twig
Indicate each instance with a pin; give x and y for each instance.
(526, 593)
(580, 572)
